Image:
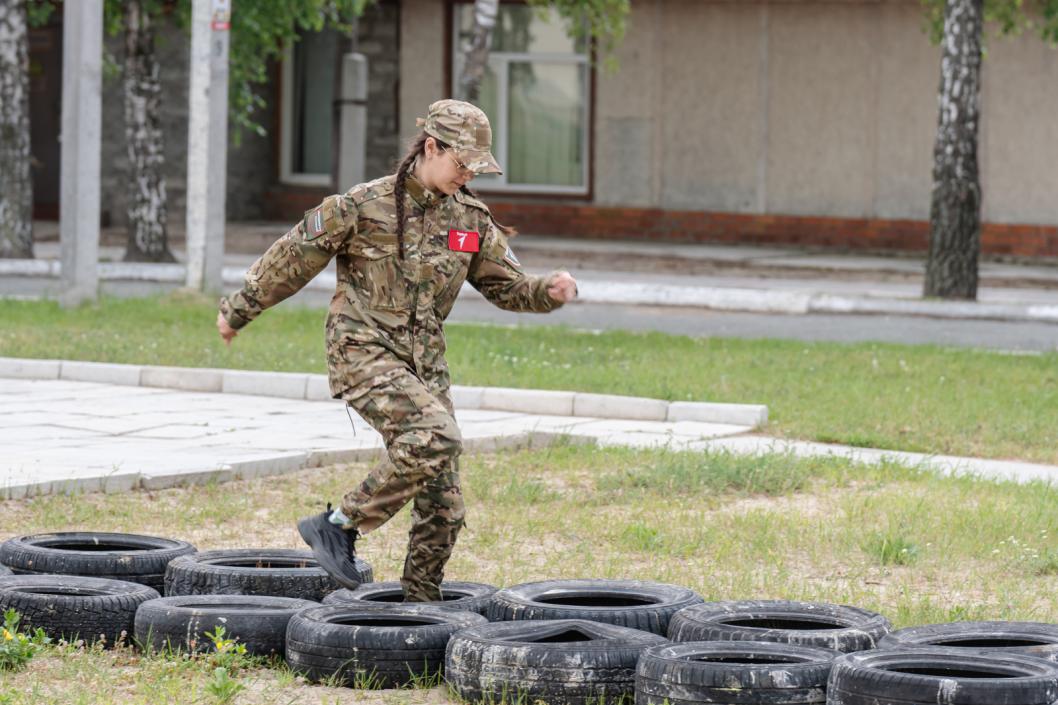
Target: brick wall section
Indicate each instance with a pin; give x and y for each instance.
(588, 221)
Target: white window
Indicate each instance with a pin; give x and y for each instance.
(536, 92)
(308, 109)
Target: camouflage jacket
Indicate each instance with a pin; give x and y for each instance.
(387, 312)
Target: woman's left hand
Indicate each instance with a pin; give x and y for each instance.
(562, 287)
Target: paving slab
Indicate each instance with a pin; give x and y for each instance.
(182, 437)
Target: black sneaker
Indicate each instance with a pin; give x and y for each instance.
(333, 547)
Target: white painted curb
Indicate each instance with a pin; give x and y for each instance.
(314, 388)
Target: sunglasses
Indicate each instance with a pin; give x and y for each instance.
(460, 166)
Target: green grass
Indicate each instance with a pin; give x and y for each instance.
(917, 398)
(983, 550)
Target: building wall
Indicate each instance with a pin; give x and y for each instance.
(422, 61)
(806, 108)
(786, 120)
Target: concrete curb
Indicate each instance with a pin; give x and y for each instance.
(281, 464)
(806, 302)
(792, 302)
(314, 388)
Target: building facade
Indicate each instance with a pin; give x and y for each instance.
(743, 121)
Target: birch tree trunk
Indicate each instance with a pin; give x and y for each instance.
(955, 211)
(476, 52)
(147, 203)
(16, 183)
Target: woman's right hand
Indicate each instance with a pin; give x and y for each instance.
(226, 331)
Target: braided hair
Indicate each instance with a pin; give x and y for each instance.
(416, 148)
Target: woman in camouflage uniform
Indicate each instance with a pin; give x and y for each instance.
(404, 245)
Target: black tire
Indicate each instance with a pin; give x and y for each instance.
(259, 622)
(373, 646)
(97, 554)
(278, 572)
(627, 603)
(1032, 638)
(931, 675)
(74, 607)
(733, 673)
(560, 662)
(471, 597)
(839, 627)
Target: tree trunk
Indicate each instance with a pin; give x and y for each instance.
(476, 52)
(147, 203)
(955, 212)
(16, 183)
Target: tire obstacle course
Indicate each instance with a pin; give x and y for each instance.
(565, 642)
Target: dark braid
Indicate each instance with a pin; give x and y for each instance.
(417, 147)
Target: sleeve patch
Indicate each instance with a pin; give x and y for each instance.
(511, 258)
(324, 219)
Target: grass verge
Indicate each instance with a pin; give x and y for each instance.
(823, 530)
(916, 398)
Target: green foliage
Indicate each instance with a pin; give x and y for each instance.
(670, 471)
(227, 655)
(522, 492)
(891, 548)
(38, 12)
(16, 648)
(426, 678)
(260, 31)
(1045, 563)
(638, 536)
(1009, 17)
(227, 658)
(361, 680)
(601, 21)
(222, 686)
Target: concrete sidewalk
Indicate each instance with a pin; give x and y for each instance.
(716, 277)
(65, 435)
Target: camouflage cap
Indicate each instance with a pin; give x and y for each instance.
(465, 128)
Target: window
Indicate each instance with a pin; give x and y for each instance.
(536, 94)
(308, 109)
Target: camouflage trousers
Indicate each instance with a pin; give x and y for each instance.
(423, 445)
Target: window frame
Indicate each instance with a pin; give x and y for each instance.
(286, 129)
(586, 60)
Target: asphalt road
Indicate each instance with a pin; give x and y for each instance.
(838, 328)
(694, 321)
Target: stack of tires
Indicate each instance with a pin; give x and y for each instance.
(84, 585)
(563, 642)
(108, 587)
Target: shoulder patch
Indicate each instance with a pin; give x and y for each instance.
(326, 218)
